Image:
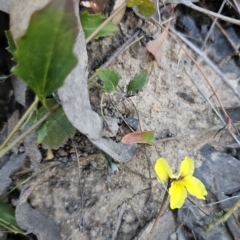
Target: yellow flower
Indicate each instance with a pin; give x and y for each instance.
(180, 183)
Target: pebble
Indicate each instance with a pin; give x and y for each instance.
(62, 152)
(93, 233)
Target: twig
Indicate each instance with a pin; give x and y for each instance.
(223, 218)
(23, 135)
(118, 221)
(19, 124)
(106, 22)
(199, 9)
(137, 215)
(224, 33)
(165, 198)
(237, 5)
(213, 24)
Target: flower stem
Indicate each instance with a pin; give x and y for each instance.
(165, 198)
(19, 124)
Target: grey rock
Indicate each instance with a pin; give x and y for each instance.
(14, 163)
(34, 222)
(223, 177)
(194, 220)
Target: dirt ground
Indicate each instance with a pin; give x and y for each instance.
(170, 104)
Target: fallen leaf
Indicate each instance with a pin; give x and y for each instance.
(139, 137)
(50, 154)
(155, 46)
(90, 22)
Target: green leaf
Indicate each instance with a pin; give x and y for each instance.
(90, 22)
(137, 83)
(8, 220)
(11, 44)
(56, 129)
(42, 133)
(139, 137)
(146, 8)
(45, 52)
(110, 79)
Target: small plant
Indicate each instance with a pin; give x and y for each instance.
(111, 79)
(181, 183)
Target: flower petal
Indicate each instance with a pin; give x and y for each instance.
(195, 187)
(187, 167)
(162, 170)
(178, 194)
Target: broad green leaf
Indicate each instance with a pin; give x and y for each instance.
(8, 220)
(42, 133)
(110, 79)
(137, 83)
(11, 44)
(146, 8)
(139, 137)
(45, 52)
(90, 22)
(56, 129)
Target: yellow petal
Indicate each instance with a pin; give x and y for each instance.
(195, 187)
(187, 167)
(178, 194)
(162, 170)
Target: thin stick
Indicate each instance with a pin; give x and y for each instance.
(199, 9)
(118, 221)
(19, 124)
(165, 198)
(118, 10)
(213, 24)
(23, 135)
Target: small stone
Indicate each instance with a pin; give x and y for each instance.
(94, 164)
(173, 236)
(62, 152)
(64, 159)
(85, 154)
(93, 233)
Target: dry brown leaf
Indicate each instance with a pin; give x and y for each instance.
(50, 154)
(155, 46)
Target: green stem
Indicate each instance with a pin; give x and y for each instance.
(23, 135)
(19, 124)
(223, 218)
(105, 22)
